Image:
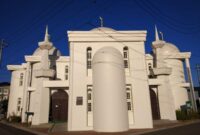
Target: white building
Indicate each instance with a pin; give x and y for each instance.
(106, 84)
(4, 91)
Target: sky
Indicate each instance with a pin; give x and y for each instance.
(23, 22)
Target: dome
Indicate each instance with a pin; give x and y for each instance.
(53, 51)
(103, 29)
(108, 55)
(169, 48)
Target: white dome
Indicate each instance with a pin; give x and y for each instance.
(53, 51)
(169, 48)
(108, 55)
(103, 29)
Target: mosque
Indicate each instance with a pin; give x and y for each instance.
(106, 84)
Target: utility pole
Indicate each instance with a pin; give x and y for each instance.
(2, 45)
(198, 72)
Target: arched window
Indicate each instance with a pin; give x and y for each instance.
(125, 52)
(21, 79)
(89, 58)
(149, 66)
(151, 74)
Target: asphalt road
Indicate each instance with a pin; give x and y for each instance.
(192, 129)
(7, 130)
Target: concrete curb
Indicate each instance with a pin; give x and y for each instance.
(165, 128)
(22, 128)
(137, 133)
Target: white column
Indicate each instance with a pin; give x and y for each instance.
(189, 74)
(26, 85)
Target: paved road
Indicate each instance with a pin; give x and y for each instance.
(7, 130)
(192, 129)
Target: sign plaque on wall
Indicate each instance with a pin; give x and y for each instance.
(79, 100)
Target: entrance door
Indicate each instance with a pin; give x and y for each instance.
(59, 106)
(154, 105)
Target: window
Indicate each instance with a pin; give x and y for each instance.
(89, 107)
(18, 108)
(129, 97)
(129, 106)
(89, 58)
(89, 98)
(125, 63)
(125, 52)
(21, 79)
(151, 74)
(18, 104)
(79, 100)
(89, 95)
(66, 72)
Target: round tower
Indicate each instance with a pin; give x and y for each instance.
(177, 75)
(110, 108)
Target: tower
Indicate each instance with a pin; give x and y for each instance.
(166, 101)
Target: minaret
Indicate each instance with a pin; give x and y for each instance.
(46, 44)
(156, 45)
(156, 34)
(43, 73)
(165, 97)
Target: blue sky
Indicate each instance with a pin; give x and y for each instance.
(22, 23)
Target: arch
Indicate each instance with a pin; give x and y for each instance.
(125, 48)
(125, 53)
(154, 105)
(59, 106)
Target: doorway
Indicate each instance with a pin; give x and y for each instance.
(59, 106)
(154, 105)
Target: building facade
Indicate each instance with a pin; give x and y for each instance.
(106, 84)
(4, 91)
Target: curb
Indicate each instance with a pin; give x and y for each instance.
(137, 133)
(165, 128)
(23, 128)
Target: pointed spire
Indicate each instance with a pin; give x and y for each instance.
(156, 34)
(47, 37)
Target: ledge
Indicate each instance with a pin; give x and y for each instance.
(162, 71)
(45, 73)
(56, 84)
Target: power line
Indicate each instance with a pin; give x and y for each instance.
(157, 17)
(175, 21)
(105, 6)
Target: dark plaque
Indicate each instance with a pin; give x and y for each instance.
(79, 100)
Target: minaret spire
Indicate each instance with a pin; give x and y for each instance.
(47, 37)
(46, 44)
(156, 34)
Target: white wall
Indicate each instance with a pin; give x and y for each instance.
(176, 78)
(16, 91)
(80, 80)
